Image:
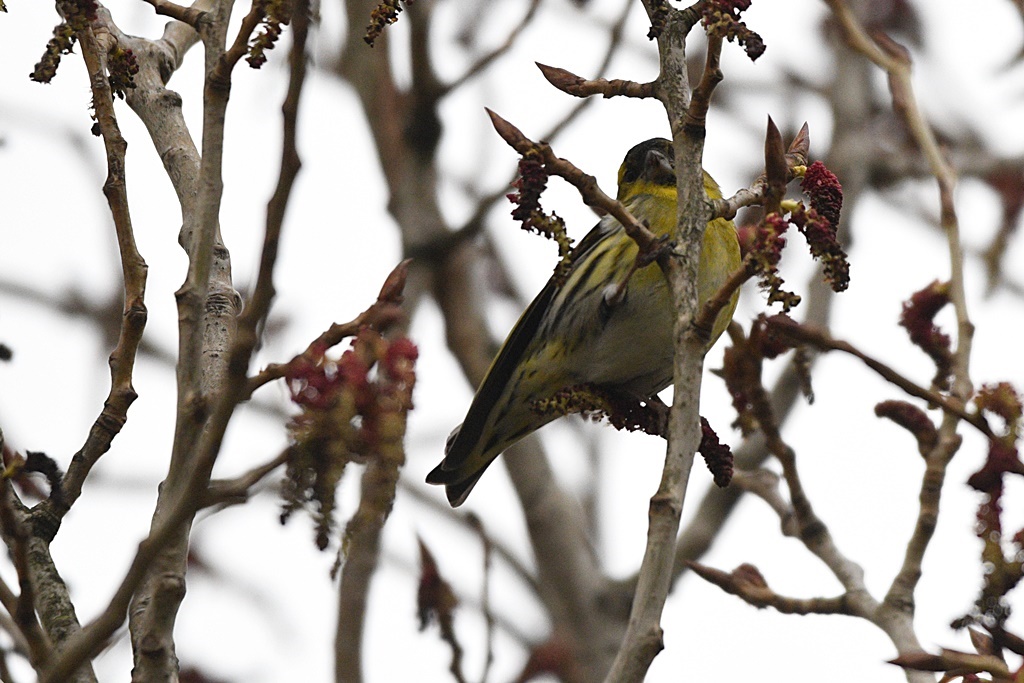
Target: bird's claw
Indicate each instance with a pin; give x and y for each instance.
(660, 246)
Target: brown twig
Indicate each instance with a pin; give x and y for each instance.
(133, 270)
(222, 492)
(381, 314)
(586, 184)
(768, 189)
(239, 48)
(485, 60)
(765, 484)
(475, 223)
(747, 583)
(796, 156)
(895, 61)
(823, 341)
(256, 312)
(574, 85)
(697, 112)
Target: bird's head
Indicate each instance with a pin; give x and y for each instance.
(649, 168)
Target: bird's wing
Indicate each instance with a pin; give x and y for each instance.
(461, 445)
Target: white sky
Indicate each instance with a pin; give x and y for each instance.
(268, 612)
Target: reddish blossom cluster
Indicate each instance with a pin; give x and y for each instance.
(820, 223)
(352, 410)
(766, 252)
(531, 183)
(717, 455)
(1001, 400)
(383, 15)
(122, 67)
(820, 234)
(722, 17)
(1002, 573)
(621, 411)
(917, 318)
(765, 242)
(742, 362)
(276, 13)
(320, 385)
(826, 194)
(913, 419)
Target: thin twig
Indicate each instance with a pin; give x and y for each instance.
(586, 184)
(746, 583)
(571, 84)
(823, 341)
(187, 15)
(485, 60)
(238, 490)
(476, 220)
(895, 61)
(133, 272)
(240, 47)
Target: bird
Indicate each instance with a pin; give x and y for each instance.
(603, 325)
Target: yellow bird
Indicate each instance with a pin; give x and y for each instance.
(585, 331)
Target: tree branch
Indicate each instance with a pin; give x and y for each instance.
(643, 639)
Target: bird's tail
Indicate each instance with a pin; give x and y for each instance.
(460, 480)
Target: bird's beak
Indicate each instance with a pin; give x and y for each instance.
(659, 168)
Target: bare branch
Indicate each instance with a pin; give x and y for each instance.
(747, 583)
(133, 269)
(643, 639)
(822, 340)
(224, 492)
(15, 527)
